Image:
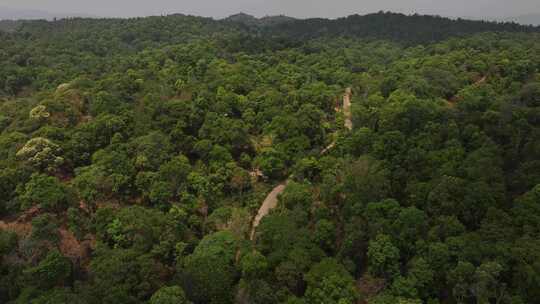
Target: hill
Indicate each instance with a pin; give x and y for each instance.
(246, 30)
(254, 21)
(371, 159)
(407, 28)
(9, 25)
(243, 18)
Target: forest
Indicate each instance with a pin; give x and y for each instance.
(135, 155)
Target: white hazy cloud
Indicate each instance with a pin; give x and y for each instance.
(296, 8)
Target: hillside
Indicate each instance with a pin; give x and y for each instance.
(264, 21)
(374, 159)
(410, 29)
(9, 25)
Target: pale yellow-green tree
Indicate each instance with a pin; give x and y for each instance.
(42, 154)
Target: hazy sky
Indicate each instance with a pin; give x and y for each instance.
(296, 8)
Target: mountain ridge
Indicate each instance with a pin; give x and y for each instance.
(251, 20)
(409, 29)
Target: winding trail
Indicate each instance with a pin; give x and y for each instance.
(347, 108)
(269, 203)
(20, 229)
(271, 200)
(452, 101)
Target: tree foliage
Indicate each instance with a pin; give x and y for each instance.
(136, 153)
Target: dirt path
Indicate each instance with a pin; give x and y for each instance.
(347, 108)
(271, 200)
(22, 229)
(330, 146)
(452, 101)
(269, 203)
(21, 225)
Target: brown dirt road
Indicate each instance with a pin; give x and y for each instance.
(452, 101)
(347, 108)
(19, 228)
(269, 203)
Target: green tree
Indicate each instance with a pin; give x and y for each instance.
(367, 180)
(325, 234)
(408, 227)
(488, 286)
(42, 154)
(8, 242)
(45, 228)
(53, 270)
(254, 265)
(462, 279)
(383, 257)
(124, 275)
(272, 163)
(169, 295)
(151, 150)
(296, 195)
(329, 282)
(47, 192)
(421, 274)
(209, 274)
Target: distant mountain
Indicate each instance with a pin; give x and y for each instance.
(274, 20)
(412, 29)
(242, 18)
(8, 13)
(407, 29)
(254, 21)
(527, 19)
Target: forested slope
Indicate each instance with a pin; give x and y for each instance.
(134, 155)
(406, 29)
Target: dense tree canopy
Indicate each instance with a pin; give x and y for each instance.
(135, 153)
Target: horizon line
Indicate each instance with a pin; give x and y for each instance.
(49, 16)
